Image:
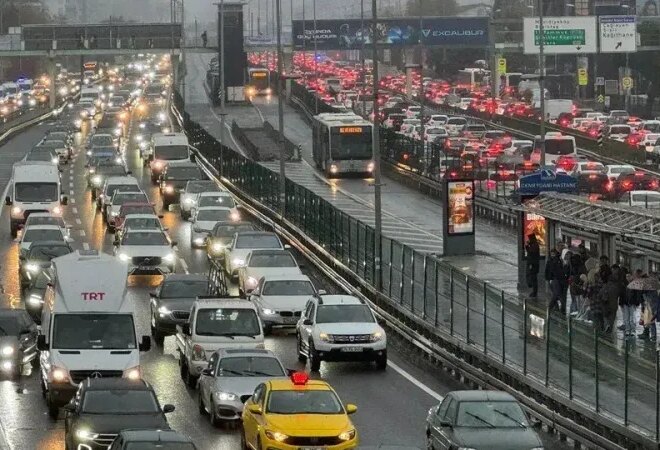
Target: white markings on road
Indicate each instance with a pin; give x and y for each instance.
(184, 265)
(82, 233)
(78, 221)
(73, 201)
(75, 210)
(85, 246)
(71, 192)
(415, 381)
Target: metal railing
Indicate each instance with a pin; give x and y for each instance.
(611, 392)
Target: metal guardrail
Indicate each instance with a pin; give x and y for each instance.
(572, 378)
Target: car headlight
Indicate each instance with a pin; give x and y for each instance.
(143, 125)
(217, 247)
(7, 366)
(91, 169)
(35, 299)
(269, 312)
(235, 216)
(189, 201)
(199, 241)
(377, 336)
(78, 123)
(276, 436)
(32, 267)
(198, 353)
(143, 145)
(325, 337)
(97, 180)
(134, 373)
(33, 102)
(161, 116)
(124, 257)
(138, 137)
(86, 435)
(251, 281)
(238, 262)
(164, 310)
(7, 350)
(225, 396)
(169, 189)
(169, 257)
(16, 210)
(347, 435)
(59, 374)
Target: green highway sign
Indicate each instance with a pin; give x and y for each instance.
(561, 37)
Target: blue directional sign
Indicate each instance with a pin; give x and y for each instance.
(547, 180)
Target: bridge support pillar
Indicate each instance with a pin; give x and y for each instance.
(51, 74)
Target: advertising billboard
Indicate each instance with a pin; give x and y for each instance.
(460, 207)
(350, 34)
(561, 35)
(534, 224)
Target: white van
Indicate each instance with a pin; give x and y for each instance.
(641, 199)
(556, 145)
(555, 107)
(12, 91)
(34, 187)
(167, 148)
(90, 94)
(88, 326)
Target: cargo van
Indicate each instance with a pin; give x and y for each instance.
(88, 326)
(90, 94)
(167, 148)
(34, 187)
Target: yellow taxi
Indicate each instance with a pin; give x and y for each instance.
(297, 413)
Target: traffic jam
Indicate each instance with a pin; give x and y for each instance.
(445, 143)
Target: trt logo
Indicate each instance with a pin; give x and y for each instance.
(92, 296)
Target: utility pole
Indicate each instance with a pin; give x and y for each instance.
(541, 82)
(280, 107)
(422, 97)
(316, 69)
(363, 74)
(183, 52)
(378, 226)
(494, 74)
(258, 17)
(223, 112)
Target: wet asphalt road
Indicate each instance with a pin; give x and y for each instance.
(392, 405)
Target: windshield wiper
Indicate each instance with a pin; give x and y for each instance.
(263, 374)
(211, 333)
(512, 419)
(234, 372)
(4, 333)
(481, 419)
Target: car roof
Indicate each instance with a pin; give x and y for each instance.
(340, 299)
(213, 208)
(102, 384)
(215, 194)
(45, 227)
(284, 277)
(285, 384)
(238, 352)
(44, 214)
(145, 230)
(185, 277)
(141, 216)
(151, 435)
(49, 244)
(482, 395)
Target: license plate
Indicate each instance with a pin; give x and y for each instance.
(145, 267)
(290, 319)
(351, 349)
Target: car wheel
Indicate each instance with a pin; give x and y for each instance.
(301, 356)
(35, 362)
(183, 371)
(159, 337)
(429, 441)
(268, 329)
(215, 421)
(244, 445)
(185, 215)
(14, 230)
(191, 380)
(93, 194)
(53, 409)
(166, 205)
(381, 362)
(200, 401)
(314, 360)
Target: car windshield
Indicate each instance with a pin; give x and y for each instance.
(213, 215)
(303, 402)
(9, 326)
(33, 235)
(283, 259)
(160, 445)
(36, 192)
(170, 152)
(129, 197)
(288, 287)
(120, 401)
(622, 170)
(184, 289)
(47, 252)
(216, 200)
(144, 238)
(257, 241)
(137, 209)
(183, 173)
(141, 223)
(227, 322)
(45, 220)
(620, 130)
(343, 313)
(94, 331)
(559, 146)
(250, 366)
(229, 230)
(201, 186)
(101, 140)
(479, 414)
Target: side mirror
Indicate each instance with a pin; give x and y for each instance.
(41, 343)
(287, 246)
(21, 257)
(308, 322)
(207, 372)
(70, 407)
(290, 372)
(129, 172)
(65, 200)
(445, 423)
(168, 408)
(185, 329)
(255, 409)
(153, 294)
(351, 408)
(145, 343)
(160, 216)
(174, 243)
(322, 292)
(8, 200)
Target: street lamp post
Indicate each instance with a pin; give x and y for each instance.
(316, 70)
(378, 226)
(280, 107)
(363, 74)
(421, 79)
(541, 82)
(223, 112)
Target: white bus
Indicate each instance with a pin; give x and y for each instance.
(556, 145)
(258, 81)
(342, 143)
(472, 78)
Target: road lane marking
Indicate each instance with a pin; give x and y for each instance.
(184, 265)
(82, 233)
(85, 246)
(75, 210)
(415, 381)
(78, 221)
(73, 201)
(71, 192)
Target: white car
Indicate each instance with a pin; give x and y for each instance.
(455, 125)
(413, 111)
(408, 124)
(203, 221)
(437, 120)
(221, 199)
(648, 142)
(618, 132)
(45, 218)
(340, 328)
(139, 221)
(146, 252)
(515, 145)
(120, 198)
(433, 133)
(36, 233)
(614, 171)
(464, 103)
(190, 193)
(588, 167)
(641, 199)
(246, 241)
(261, 263)
(280, 299)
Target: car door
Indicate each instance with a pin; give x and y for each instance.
(250, 422)
(443, 434)
(306, 330)
(206, 381)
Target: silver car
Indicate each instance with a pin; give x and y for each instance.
(230, 379)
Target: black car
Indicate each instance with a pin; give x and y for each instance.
(18, 341)
(38, 258)
(593, 183)
(171, 302)
(34, 292)
(100, 169)
(174, 178)
(102, 407)
(222, 235)
(636, 181)
(152, 439)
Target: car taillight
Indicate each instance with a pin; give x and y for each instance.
(654, 184)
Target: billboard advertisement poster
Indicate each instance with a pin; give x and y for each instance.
(534, 224)
(561, 35)
(460, 207)
(352, 33)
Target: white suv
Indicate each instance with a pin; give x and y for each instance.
(340, 328)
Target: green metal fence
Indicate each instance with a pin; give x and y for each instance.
(618, 384)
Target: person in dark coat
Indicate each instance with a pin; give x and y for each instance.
(533, 256)
(629, 304)
(557, 275)
(575, 287)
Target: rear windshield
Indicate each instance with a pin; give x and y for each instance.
(258, 241)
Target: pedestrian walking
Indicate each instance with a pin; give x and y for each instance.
(629, 304)
(575, 283)
(557, 277)
(204, 38)
(533, 257)
(612, 294)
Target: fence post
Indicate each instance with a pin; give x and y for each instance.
(502, 327)
(412, 282)
(596, 368)
(451, 301)
(485, 319)
(547, 348)
(403, 259)
(570, 357)
(625, 383)
(389, 294)
(657, 395)
(435, 294)
(525, 336)
(467, 309)
(424, 288)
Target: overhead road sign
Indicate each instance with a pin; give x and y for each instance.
(600, 81)
(618, 34)
(561, 35)
(337, 34)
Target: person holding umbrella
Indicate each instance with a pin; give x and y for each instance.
(648, 288)
(629, 304)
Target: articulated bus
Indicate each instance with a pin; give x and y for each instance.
(258, 82)
(342, 144)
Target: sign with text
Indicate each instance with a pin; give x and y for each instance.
(561, 35)
(338, 34)
(460, 207)
(547, 180)
(618, 34)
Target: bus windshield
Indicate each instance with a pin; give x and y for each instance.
(351, 145)
(259, 79)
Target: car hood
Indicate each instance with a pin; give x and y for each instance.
(258, 272)
(348, 328)
(177, 304)
(145, 250)
(178, 184)
(310, 424)
(239, 385)
(203, 226)
(114, 423)
(285, 302)
(498, 439)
